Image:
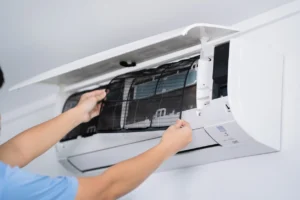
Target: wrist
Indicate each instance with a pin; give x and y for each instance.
(165, 150)
(78, 115)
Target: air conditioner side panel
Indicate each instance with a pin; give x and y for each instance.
(255, 82)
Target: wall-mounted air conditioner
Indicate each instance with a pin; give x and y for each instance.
(230, 90)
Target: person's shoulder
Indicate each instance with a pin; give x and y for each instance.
(34, 186)
(3, 168)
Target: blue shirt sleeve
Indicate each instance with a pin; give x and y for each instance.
(18, 184)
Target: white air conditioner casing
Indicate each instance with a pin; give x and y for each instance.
(245, 122)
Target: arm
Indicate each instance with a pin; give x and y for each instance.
(116, 181)
(125, 176)
(28, 145)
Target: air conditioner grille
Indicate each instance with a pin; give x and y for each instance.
(149, 99)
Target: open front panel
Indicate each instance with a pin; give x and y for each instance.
(108, 62)
(149, 99)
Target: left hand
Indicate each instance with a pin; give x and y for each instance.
(88, 104)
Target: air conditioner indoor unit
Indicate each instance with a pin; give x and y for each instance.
(227, 88)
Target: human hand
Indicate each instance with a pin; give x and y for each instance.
(88, 104)
(177, 136)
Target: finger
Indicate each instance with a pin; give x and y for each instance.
(100, 96)
(94, 114)
(107, 92)
(96, 111)
(93, 93)
(185, 123)
(99, 107)
(178, 123)
(96, 108)
(182, 123)
(98, 92)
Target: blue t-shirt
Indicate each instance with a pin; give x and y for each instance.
(16, 184)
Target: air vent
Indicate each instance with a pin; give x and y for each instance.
(220, 71)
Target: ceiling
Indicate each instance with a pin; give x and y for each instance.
(36, 36)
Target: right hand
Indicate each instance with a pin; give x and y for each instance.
(88, 104)
(177, 136)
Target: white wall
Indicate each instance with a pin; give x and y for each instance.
(273, 176)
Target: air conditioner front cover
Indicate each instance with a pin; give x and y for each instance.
(141, 51)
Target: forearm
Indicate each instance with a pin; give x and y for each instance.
(28, 145)
(127, 175)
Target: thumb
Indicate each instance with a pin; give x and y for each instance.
(100, 96)
(178, 124)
